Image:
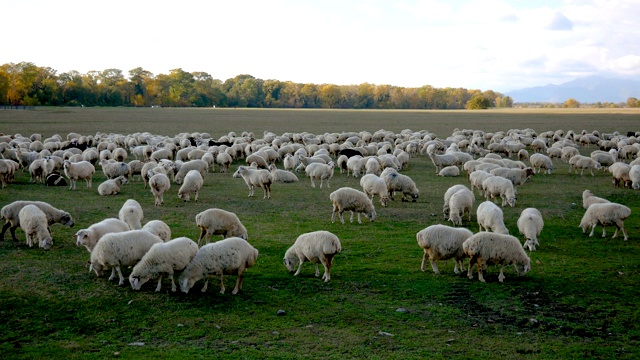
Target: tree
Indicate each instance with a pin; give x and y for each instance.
(141, 80)
(504, 101)
(571, 103)
(478, 102)
(633, 102)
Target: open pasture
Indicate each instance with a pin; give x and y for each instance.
(580, 298)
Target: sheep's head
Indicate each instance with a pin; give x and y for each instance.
(137, 281)
(239, 172)
(46, 243)
(66, 220)
(80, 236)
(97, 268)
(290, 262)
(371, 215)
(186, 283)
(523, 268)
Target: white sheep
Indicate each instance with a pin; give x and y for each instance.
(255, 178)
(634, 176)
(588, 199)
(441, 242)
(516, 176)
(131, 213)
(199, 165)
(460, 202)
(115, 250)
(498, 186)
(476, 178)
(112, 169)
(530, 224)
(374, 185)
(620, 174)
(349, 199)
(355, 165)
(90, 236)
(80, 170)
(280, 175)
(583, 163)
(112, 186)
(219, 222)
(489, 248)
(163, 259)
(397, 182)
(606, 214)
(449, 171)
(158, 228)
(159, 184)
(35, 225)
(440, 161)
(192, 183)
(541, 161)
(447, 195)
(316, 247)
(491, 218)
(11, 214)
(230, 256)
(319, 171)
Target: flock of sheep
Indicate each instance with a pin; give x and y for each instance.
(376, 158)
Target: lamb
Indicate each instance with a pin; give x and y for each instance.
(460, 202)
(199, 165)
(441, 242)
(282, 175)
(121, 249)
(498, 186)
(193, 182)
(159, 184)
(530, 225)
(582, 163)
(606, 214)
(541, 161)
(36, 227)
(11, 213)
(349, 199)
(449, 171)
(219, 222)
(163, 259)
(255, 178)
(374, 185)
(589, 199)
(80, 170)
(90, 236)
(158, 228)
(230, 256)
(397, 182)
(488, 248)
(112, 186)
(322, 172)
(516, 176)
(131, 213)
(490, 217)
(316, 247)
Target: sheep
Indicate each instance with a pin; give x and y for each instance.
(582, 163)
(460, 202)
(199, 165)
(441, 242)
(55, 179)
(397, 182)
(488, 248)
(224, 160)
(36, 227)
(316, 247)
(589, 199)
(80, 170)
(40, 168)
(255, 178)
(516, 176)
(374, 185)
(440, 161)
(192, 183)
(290, 162)
(349, 199)
(322, 172)
(158, 228)
(282, 175)
(476, 178)
(112, 186)
(541, 161)
(119, 154)
(449, 171)
(606, 214)
(90, 236)
(355, 165)
(498, 186)
(620, 174)
(530, 224)
(159, 184)
(219, 222)
(120, 249)
(634, 176)
(163, 259)
(447, 195)
(113, 169)
(131, 213)
(490, 217)
(11, 213)
(230, 256)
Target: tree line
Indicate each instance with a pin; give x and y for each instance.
(29, 85)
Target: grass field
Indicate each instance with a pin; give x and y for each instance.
(580, 299)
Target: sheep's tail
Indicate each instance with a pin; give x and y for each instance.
(332, 247)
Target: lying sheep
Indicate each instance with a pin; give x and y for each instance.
(498, 186)
(460, 202)
(589, 199)
(348, 199)
(219, 222)
(115, 250)
(374, 185)
(255, 178)
(230, 256)
(319, 171)
(488, 248)
(397, 182)
(159, 184)
(491, 218)
(90, 236)
(192, 183)
(606, 214)
(163, 259)
(284, 176)
(131, 213)
(80, 170)
(158, 228)
(449, 171)
(530, 225)
(11, 213)
(441, 242)
(112, 186)
(36, 227)
(316, 247)
(55, 179)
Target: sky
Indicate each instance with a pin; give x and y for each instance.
(487, 44)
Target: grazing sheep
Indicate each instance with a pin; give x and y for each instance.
(163, 259)
(284, 176)
(230, 256)
(530, 225)
(255, 178)
(498, 186)
(318, 171)
(219, 222)
(113, 169)
(449, 171)
(441, 242)
(11, 213)
(476, 178)
(460, 202)
(606, 214)
(397, 182)
(620, 174)
(373, 166)
(224, 160)
(80, 170)
(488, 248)
(447, 195)
(516, 176)
(112, 186)
(355, 165)
(349, 199)
(589, 199)
(35, 225)
(541, 161)
(440, 161)
(192, 183)
(158, 228)
(374, 185)
(316, 247)
(131, 213)
(634, 176)
(115, 250)
(90, 236)
(491, 218)
(582, 163)
(159, 184)
(199, 165)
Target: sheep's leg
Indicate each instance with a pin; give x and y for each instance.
(472, 261)
(593, 228)
(423, 266)
(333, 215)
(206, 284)
(113, 274)
(196, 197)
(341, 216)
(604, 231)
(121, 282)
(480, 270)
(501, 276)
(238, 282)
(222, 288)
(173, 284)
(300, 262)
(434, 266)
(160, 284)
(313, 184)
(203, 233)
(327, 268)
(318, 271)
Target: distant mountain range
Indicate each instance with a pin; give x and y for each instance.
(590, 89)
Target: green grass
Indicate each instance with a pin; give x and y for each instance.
(579, 300)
